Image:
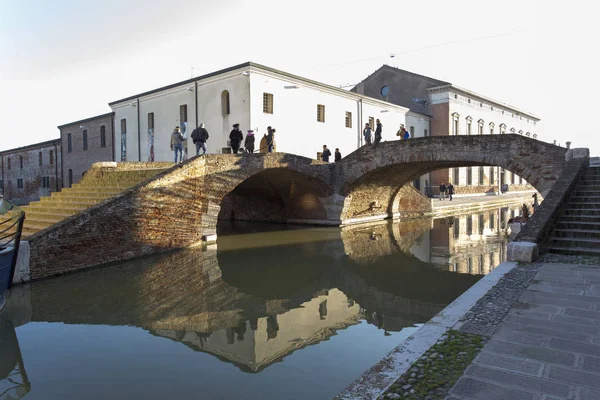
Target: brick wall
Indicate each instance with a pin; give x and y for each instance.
(79, 160)
(39, 179)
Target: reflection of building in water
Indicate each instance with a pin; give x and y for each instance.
(13, 378)
(255, 345)
(474, 243)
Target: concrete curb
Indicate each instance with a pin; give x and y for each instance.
(382, 375)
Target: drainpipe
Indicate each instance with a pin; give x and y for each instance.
(139, 132)
(360, 123)
(3, 182)
(112, 127)
(196, 101)
(56, 165)
(62, 167)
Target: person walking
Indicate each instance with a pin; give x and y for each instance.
(271, 139)
(535, 201)
(450, 190)
(326, 154)
(337, 156)
(442, 191)
(236, 138)
(400, 132)
(199, 137)
(177, 143)
(378, 131)
(367, 133)
(249, 142)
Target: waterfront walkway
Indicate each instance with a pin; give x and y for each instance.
(475, 203)
(548, 346)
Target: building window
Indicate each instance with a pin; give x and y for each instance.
(267, 103)
(51, 154)
(183, 117)
(456, 96)
(20, 183)
(151, 120)
(21, 161)
(45, 181)
(502, 129)
(225, 110)
(469, 176)
(470, 225)
(513, 178)
(535, 135)
(348, 119)
(481, 176)
(492, 177)
(491, 128)
(41, 162)
(456, 176)
(469, 120)
(456, 232)
(102, 136)
(412, 131)
(512, 130)
(70, 177)
(492, 222)
(492, 108)
(480, 104)
(425, 133)
(385, 91)
(455, 118)
(520, 132)
(481, 226)
(320, 113)
(85, 143)
(372, 122)
(124, 139)
(8, 163)
(469, 101)
(69, 143)
(1, 184)
(527, 134)
(480, 127)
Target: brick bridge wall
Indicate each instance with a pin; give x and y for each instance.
(179, 207)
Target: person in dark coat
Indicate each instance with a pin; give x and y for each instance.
(271, 139)
(249, 142)
(337, 155)
(378, 131)
(450, 190)
(326, 154)
(199, 137)
(367, 134)
(442, 191)
(236, 138)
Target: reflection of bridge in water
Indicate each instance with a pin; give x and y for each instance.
(254, 305)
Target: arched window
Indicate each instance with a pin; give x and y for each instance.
(480, 127)
(535, 135)
(512, 130)
(492, 128)
(502, 129)
(527, 134)
(469, 120)
(520, 132)
(225, 109)
(455, 118)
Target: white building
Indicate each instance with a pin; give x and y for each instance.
(305, 113)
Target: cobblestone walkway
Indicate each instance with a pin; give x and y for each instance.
(548, 345)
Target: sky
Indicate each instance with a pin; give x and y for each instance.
(65, 60)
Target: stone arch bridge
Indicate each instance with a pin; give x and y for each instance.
(182, 205)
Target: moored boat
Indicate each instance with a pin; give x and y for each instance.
(11, 225)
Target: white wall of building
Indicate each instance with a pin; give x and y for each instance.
(295, 115)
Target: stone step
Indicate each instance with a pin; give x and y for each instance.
(581, 212)
(58, 208)
(585, 199)
(73, 199)
(580, 218)
(584, 193)
(109, 190)
(574, 251)
(587, 243)
(577, 233)
(566, 224)
(583, 205)
(52, 217)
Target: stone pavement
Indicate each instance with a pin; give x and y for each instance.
(468, 200)
(547, 347)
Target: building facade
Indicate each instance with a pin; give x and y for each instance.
(30, 172)
(83, 143)
(306, 114)
(455, 111)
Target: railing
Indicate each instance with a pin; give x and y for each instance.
(11, 226)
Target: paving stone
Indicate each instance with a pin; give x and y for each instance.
(566, 296)
(542, 287)
(537, 308)
(576, 347)
(529, 352)
(567, 277)
(526, 382)
(478, 390)
(511, 364)
(541, 298)
(591, 364)
(576, 320)
(574, 377)
(556, 325)
(576, 312)
(529, 314)
(563, 285)
(586, 394)
(505, 334)
(538, 330)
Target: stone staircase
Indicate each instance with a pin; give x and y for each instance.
(91, 190)
(578, 228)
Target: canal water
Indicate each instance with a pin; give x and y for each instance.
(270, 313)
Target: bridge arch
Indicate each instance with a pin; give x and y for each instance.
(376, 173)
